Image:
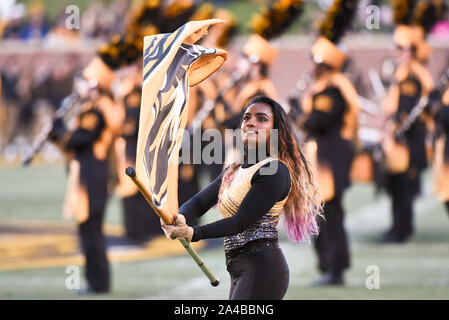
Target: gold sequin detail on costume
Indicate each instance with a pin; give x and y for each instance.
(232, 197)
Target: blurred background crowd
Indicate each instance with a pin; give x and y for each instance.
(39, 55)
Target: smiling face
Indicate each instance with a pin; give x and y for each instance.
(256, 125)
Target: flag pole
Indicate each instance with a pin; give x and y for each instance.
(131, 172)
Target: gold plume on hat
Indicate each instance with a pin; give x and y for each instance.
(204, 12)
(427, 14)
(403, 11)
(332, 28)
(271, 21)
(221, 34)
(338, 19)
(150, 18)
(178, 7)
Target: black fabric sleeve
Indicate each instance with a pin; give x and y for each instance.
(320, 121)
(85, 137)
(265, 191)
(200, 203)
(443, 117)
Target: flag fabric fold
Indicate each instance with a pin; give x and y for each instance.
(172, 62)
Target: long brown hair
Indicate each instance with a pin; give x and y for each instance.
(304, 202)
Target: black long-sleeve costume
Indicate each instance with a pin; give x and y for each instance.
(258, 268)
(265, 191)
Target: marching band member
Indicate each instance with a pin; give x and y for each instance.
(330, 107)
(404, 148)
(89, 144)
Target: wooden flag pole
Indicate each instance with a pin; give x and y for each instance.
(130, 172)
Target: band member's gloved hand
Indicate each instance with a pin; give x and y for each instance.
(178, 230)
(58, 130)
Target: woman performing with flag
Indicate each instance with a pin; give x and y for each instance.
(251, 198)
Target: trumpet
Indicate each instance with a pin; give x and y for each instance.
(81, 89)
(66, 105)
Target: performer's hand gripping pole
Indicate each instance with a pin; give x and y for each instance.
(130, 172)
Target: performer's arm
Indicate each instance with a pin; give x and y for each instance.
(265, 191)
(92, 124)
(443, 117)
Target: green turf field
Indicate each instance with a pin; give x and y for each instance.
(416, 270)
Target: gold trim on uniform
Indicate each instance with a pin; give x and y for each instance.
(133, 100)
(441, 163)
(234, 194)
(445, 98)
(441, 170)
(362, 168)
(325, 177)
(114, 115)
(323, 103)
(89, 121)
(125, 187)
(408, 88)
(187, 172)
(347, 90)
(76, 201)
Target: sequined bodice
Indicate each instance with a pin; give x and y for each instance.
(264, 228)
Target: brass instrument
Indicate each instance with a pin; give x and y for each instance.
(67, 107)
(397, 154)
